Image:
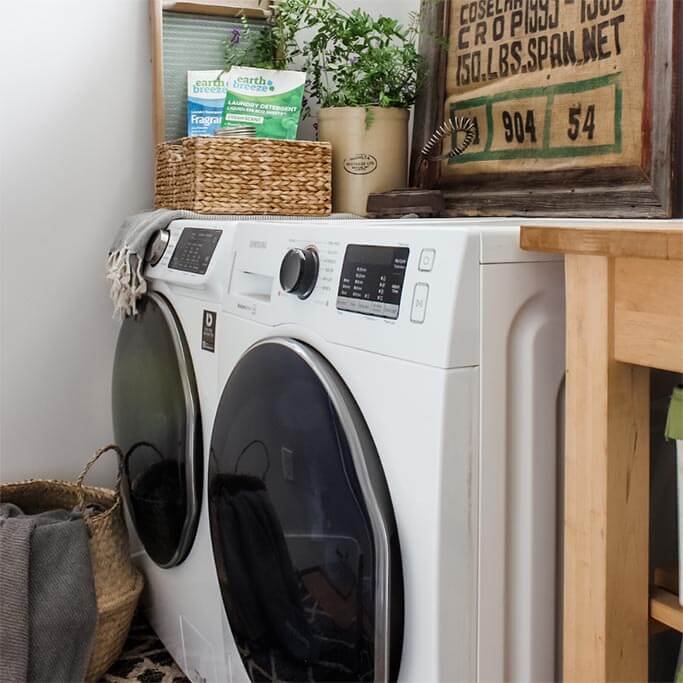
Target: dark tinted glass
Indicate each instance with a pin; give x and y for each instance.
(151, 426)
(292, 540)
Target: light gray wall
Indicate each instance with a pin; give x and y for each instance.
(75, 157)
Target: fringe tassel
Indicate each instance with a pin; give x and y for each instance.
(124, 271)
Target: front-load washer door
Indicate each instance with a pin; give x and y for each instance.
(303, 531)
(157, 425)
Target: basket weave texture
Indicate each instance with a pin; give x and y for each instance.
(117, 583)
(220, 175)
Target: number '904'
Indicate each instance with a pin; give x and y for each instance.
(519, 127)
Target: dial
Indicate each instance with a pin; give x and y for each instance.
(157, 247)
(299, 271)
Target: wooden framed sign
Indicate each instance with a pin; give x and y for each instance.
(574, 103)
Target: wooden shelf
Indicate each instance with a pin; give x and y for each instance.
(665, 608)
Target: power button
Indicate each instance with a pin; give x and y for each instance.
(419, 307)
(427, 257)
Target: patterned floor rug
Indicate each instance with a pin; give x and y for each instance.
(144, 659)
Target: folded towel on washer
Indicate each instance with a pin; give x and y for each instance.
(48, 606)
(126, 257)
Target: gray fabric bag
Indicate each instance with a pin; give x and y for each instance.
(45, 563)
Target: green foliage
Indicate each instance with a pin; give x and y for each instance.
(352, 59)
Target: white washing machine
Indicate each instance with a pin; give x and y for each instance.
(164, 396)
(384, 458)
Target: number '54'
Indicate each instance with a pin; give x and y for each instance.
(580, 125)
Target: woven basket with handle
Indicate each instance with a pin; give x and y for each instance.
(223, 175)
(117, 583)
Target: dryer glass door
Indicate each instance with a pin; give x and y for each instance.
(303, 531)
(157, 425)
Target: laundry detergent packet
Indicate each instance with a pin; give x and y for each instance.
(205, 98)
(266, 99)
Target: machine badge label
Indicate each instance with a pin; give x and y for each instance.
(209, 331)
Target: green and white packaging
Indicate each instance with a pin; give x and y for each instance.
(267, 99)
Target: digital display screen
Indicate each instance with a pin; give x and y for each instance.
(372, 280)
(194, 250)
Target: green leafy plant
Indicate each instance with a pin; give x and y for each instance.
(274, 46)
(355, 60)
(352, 59)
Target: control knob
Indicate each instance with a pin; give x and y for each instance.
(157, 247)
(299, 271)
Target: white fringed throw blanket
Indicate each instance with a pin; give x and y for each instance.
(125, 262)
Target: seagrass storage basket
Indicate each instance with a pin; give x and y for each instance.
(117, 583)
(223, 175)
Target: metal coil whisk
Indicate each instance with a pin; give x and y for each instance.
(456, 124)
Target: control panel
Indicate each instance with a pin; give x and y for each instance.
(371, 280)
(393, 288)
(191, 255)
(194, 250)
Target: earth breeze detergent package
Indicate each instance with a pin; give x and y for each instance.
(205, 97)
(266, 99)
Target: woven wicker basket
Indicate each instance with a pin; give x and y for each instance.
(220, 175)
(117, 583)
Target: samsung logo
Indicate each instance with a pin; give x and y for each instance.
(258, 244)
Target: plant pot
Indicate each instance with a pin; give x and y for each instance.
(365, 158)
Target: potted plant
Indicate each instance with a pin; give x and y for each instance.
(365, 73)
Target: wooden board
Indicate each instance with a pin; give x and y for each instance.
(648, 313)
(666, 609)
(435, 21)
(575, 110)
(666, 578)
(648, 240)
(157, 45)
(607, 489)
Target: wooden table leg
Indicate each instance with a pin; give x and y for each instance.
(607, 489)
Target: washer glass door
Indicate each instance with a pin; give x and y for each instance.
(157, 425)
(303, 531)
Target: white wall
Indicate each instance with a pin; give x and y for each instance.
(75, 158)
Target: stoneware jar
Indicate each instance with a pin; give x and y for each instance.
(369, 153)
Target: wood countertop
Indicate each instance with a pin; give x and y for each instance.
(624, 303)
(653, 240)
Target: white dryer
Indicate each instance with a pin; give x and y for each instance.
(383, 468)
(164, 396)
